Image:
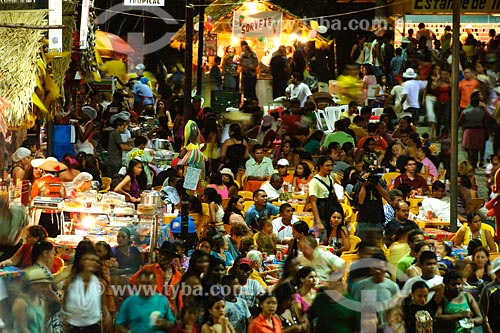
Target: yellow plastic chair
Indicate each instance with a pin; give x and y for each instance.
(389, 177)
(347, 211)
(106, 184)
(477, 203)
(205, 208)
(247, 205)
(442, 175)
(310, 164)
(247, 195)
(354, 241)
(299, 208)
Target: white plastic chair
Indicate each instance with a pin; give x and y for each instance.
(323, 121)
(377, 111)
(333, 114)
(343, 107)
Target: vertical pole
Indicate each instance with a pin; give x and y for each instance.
(50, 134)
(188, 83)
(201, 29)
(454, 117)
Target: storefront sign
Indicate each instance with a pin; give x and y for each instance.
(261, 24)
(84, 25)
(144, 2)
(446, 6)
(210, 45)
(55, 18)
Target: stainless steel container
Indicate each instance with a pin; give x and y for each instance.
(162, 144)
(152, 198)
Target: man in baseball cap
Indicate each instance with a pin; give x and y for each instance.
(282, 168)
(250, 289)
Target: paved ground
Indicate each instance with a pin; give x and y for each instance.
(462, 156)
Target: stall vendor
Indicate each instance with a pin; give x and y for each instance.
(50, 186)
(81, 183)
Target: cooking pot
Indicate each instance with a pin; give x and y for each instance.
(151, 197)
(162, 144)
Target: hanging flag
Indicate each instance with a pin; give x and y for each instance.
(84, 24)
(55, 18)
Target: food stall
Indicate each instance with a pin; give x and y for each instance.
(264, 25)
(99, 216)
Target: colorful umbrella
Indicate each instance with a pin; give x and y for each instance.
(109, 44)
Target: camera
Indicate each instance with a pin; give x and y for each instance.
(374, 174)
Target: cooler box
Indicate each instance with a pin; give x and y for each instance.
(64, 134)
(61, 149)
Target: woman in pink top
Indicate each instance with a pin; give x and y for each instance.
(217, 184)
(424, 155)
(306, 293)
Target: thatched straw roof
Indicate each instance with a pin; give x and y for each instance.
(221, 12)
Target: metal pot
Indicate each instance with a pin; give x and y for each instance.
(162, 144)
(152, 198)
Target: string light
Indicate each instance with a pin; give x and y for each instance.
(232, 4)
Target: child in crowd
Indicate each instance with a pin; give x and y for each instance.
(262, 323)
(417, 301)
(266, 239)
(181, 263)
(187, 319)
(426, 140)
(302, 175)
(490, 170)
(446, 262)
(395, 320)
(103, 251)
(236, 307)
(217, 322)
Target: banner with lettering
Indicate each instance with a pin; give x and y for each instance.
(260, 24)
(446, 6)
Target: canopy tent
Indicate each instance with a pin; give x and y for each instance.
(109, 45)
(220, 15)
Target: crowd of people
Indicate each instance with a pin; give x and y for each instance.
(256, 266)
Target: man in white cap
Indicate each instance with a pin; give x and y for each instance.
(468, 31)
(143, 97)
(85, 129)
(411, 93)
(139, 70)
(282, 169)
(21, 159)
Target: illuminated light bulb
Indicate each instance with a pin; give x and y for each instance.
(88, 222)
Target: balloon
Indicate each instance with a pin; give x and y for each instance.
(196, 26)
(314, 25)
(322, 29)
(313, 34)
(261, 39)
(208, 26)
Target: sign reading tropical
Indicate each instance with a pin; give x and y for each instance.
(144, 2)
(446, 6)
(260, 24)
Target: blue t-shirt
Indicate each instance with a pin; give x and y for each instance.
(135, 313)
(237, 312)
(252, 215)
